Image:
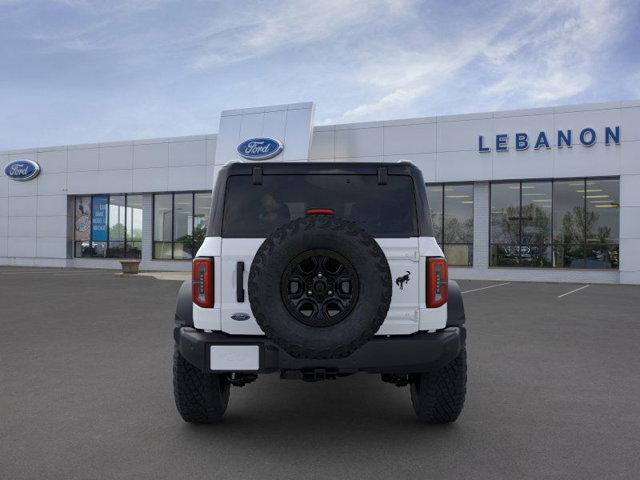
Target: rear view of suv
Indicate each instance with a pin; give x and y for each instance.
(317, 271)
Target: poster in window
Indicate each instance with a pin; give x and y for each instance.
(99, 218)
(83, 219)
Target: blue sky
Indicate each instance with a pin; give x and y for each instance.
(76, 71)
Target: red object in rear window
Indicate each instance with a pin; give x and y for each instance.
(320, 211)
(437, 282)
(202, 282)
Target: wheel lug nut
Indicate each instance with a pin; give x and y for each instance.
(320, 275)
(329, 292)
(309, 292)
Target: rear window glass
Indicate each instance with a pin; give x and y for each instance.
(257, 210)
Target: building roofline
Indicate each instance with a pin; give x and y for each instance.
(569, 108)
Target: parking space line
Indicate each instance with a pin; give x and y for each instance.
(485, 288)
(573, 291)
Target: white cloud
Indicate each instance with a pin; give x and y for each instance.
(257, 32)
(544, 52)
(556, 63)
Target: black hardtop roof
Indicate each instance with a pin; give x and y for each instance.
(292, 168)
(321, 168)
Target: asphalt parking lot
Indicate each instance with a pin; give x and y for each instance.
(85, 392)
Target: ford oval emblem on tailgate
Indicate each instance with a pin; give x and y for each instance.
(240, 317)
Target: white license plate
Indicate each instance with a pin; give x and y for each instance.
(234, 358)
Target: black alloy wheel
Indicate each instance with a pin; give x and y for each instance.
(319, 287)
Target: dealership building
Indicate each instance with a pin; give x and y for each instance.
(548, 194)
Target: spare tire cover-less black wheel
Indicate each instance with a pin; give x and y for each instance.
(320, 287)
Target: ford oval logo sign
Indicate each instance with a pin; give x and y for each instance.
(260, 148)
(241, 317)
(22, 170)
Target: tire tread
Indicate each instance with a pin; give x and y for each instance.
(438, 397)
(200, 397)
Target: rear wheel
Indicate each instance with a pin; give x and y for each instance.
(438, 397)
(200, 397)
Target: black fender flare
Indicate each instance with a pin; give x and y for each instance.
(455, 306)
(184, 306)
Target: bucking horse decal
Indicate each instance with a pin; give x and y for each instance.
(400, 281)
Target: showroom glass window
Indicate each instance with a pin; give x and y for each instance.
(564, 223)
(108, 226)
(179, 224)
(451, 208)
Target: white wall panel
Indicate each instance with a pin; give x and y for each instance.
(52, 226)
(463, 135)
(274, 125)
(22, 189)
(52, 183)
(188, 178)
(211, 150)
(4, 181)
(528, 163)
(151, 155)
(629, 222)
(22, 227)
(630, 157)
(83, 159)
(52, 161)
(376, 158)
(463, 166)
(51, 205)
(251, 125)
(630, 191)
(22, 206)
(188, 153)
(630, 124)
(409, 139)
(21, 246)
(117, 157)
(84, 182)
(115, 181)
(630, 248)
(322, 145)
(581, 161)
(228, 138)
(297, 136)
(51, 247)
(150, 179)
(358, 142)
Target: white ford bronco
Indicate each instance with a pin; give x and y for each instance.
(317, 271)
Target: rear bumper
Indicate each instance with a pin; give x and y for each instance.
(420, 352)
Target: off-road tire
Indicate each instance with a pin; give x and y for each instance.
(345, 238)
(200, 397)
(438, 397)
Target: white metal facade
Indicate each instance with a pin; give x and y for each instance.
(36, 216)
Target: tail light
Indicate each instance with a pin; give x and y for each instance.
(202, 282)
(437, 282)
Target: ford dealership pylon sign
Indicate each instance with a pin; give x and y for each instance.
(260, 148)
(22, 170)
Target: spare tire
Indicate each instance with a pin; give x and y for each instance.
(320, 287)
